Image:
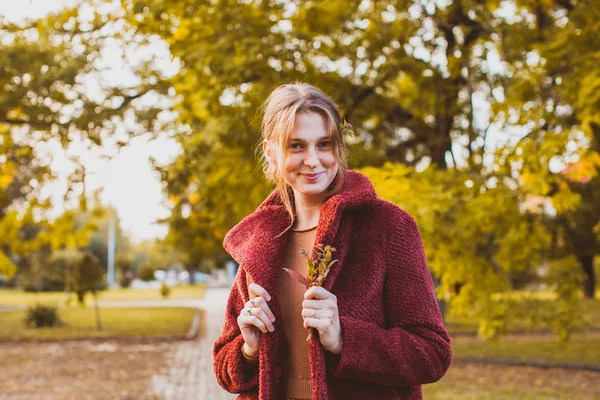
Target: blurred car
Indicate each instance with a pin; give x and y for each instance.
(198, 277)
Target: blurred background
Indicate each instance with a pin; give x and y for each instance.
(128, 132)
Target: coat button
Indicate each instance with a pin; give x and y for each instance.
(278, 372)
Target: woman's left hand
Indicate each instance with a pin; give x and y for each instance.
(320, 311)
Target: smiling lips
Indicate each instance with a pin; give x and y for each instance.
(312, 177)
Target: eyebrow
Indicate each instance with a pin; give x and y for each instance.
(318, 140)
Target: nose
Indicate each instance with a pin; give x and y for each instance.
(311, 159)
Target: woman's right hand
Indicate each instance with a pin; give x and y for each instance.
(260, 319)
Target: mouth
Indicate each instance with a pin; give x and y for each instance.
(312, 176)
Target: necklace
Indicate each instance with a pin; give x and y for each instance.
(304, 230)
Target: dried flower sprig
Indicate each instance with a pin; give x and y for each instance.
(318, 266)
(346, 128)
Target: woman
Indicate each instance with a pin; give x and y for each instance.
(378, 328)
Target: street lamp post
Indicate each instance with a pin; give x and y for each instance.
(111, 249)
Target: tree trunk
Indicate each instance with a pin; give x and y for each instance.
(589, 284)
(97, 309)
(443, 304)
(191, 270)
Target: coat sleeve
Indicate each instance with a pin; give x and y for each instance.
(233, 372)
(415, 349)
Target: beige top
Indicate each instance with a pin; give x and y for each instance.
(291, 295)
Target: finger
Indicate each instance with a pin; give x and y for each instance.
(316, 314)
(319, 324)
(258, 290)
(251, 320)
(317, 292)
(262, 304)
(257, 312)
(316, 304)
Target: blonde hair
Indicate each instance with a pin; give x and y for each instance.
(279, 114)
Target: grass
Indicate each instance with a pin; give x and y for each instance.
(444, 390)
(579, 350)
(12, 297)
(117, 322)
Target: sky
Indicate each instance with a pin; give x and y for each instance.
(127, 179)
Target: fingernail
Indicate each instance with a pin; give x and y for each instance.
(271, 329)
(272, 319)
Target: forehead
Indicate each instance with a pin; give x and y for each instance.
(309, 126)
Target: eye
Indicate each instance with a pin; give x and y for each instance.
(325, 143)
(295, 146)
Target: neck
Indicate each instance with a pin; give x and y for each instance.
(308, 211)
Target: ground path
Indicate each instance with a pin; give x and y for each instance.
(191, 376)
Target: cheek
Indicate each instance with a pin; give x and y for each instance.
(292, 162)
(328, 160)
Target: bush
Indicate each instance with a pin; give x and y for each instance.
(165, 290)
(146, 273)
(43, 275)
(40, 316)
(125, 281)
(124, 263)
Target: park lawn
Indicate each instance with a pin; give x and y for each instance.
(116, 322)
(11, 297)
(447, 389)
(580, 349)
(475, 381)
(465, 391)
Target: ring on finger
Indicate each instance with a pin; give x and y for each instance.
(314, 313)
(249, 311)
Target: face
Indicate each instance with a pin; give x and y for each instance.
(310, 164)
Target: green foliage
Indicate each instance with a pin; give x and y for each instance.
(565, 276)
(45, 63)
(41, 316)
(146, 273)
(474, 234)
(165, 290)
(7, 267)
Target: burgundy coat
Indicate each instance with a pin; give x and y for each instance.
(394, 339)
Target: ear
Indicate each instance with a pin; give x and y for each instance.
(269, 151)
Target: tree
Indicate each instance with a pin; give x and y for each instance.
(83, 274)
(56, 88)
(552, 95)
(72, 230)
(146, 273)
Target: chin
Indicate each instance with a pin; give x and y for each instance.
(315, 189)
